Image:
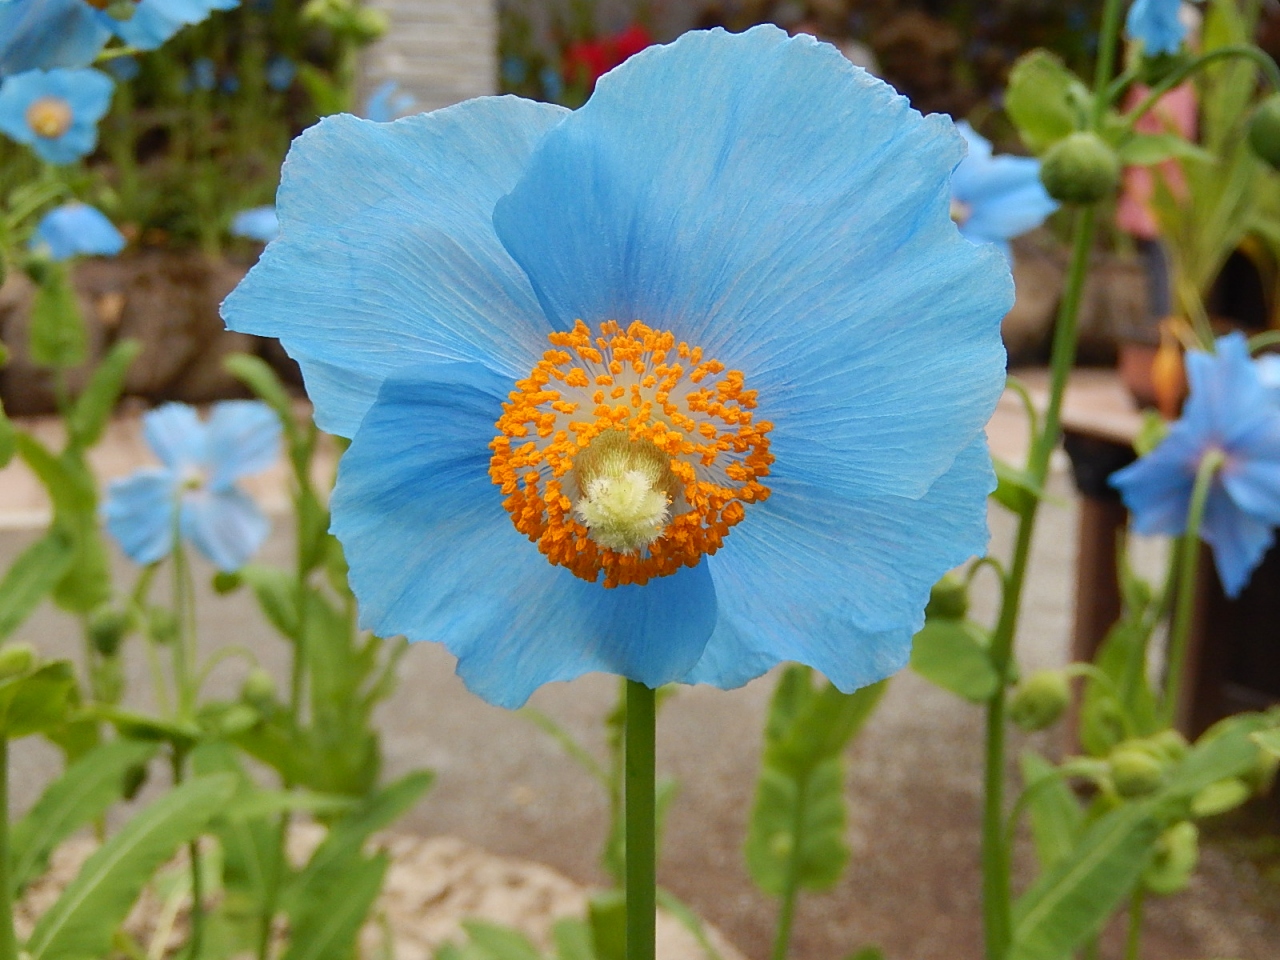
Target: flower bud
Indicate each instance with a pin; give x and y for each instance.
(1135, 769)
(108, 626)
(1264, 130)
(16, 659)
(225, 582)
(162, 624)
(1040, 700)
(259, 688)
(1081, 168)
(948, 600)
(1174, 860)
(1169, 745)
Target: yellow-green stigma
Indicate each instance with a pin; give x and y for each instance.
(624, 491)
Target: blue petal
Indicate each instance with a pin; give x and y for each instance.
(387, 256)
(1156, 23)
(74, 229)
(386, 103)
(155, 21)
(792, 218)
(839, 584)
(1239, 541)
(40, 34)
(1157, 489)
(259, 223)
(1008, 215)
(434, 556)
(242, 437)
(139, 513)
(224, 525)
(176, 435)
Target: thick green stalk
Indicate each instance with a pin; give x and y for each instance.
(641, 825)
(8, 939)
(1188, 569)
(1133, 942)
(786, 915)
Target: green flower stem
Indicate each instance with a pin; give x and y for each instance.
(641, 825)
(786, 915)
(1132, 947)
(1108, 43)
(1188, 569)
(8, 939)
(183, 643)
(1264, 62)
(195, 945)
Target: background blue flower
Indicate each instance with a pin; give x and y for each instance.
(997, 198)
(194, 493)
(76, 229)
(1229, 409)
(42, 34)
(1157, 25)
(259, 224)
(155, 21)
(388, 102)
(280, 73)
(65, 104)
(756, 195)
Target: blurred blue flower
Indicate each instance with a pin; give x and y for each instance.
(280, 73)
(204, 74)
(194, 493)
(123, 69)
(76, 229)
(514, 71)
(155, 21)
(552, 83)
(996, 198)
(442, 281)
(1157, 25)
(1269, 373)
(259, 224)
(388, 103)
(1228, 409)
(230, 84)
(42, 34)
(55, 112)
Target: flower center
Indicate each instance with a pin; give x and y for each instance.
(629, 453)
(960, 212)
(49, 117)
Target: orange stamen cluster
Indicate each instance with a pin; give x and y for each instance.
(658, 391)
(49, 117)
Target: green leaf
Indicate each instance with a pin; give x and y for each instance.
(276, 591)
(256, 374)
(1220, 797)
(85, 791)
(8, 438)
(268, 803)
(1268, 740)
(38, 701)
(1071, 901)
(954, 655)
(867, 953)
(31, 577)
(80, 925)
(57, 332)
(1044, 99)
(93, 407)
(797, 829)
(68, 481)
(328, 927)
(1014, 490)
(572, 938)
(1146, 149)
(811, 726)
(140, 726)
(1227, 749)
(500, 943)
(607, 916)
(1056, 815)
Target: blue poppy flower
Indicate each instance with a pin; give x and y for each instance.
(194, 493)
(76, 229)
(711, 343)
(1228, 409)
(155, 21)
(388, 103)
(55, 112)
(280, 73)
(259, 224)
(42, 34)
(995, 199)
(1157, 24)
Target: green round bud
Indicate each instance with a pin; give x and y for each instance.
(259, 688)
(108, 626)
(949, 599)
(1264, 130)
(1135, 770)
(225, 582)
(162, 624)
(237, 719)
(1169, 745)
(1081, 169)
(16, 659)
(1174, 861)
(1040, 700)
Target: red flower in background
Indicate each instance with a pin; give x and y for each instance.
(586, 61)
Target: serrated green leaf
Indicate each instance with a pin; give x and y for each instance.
(796, 832)
(954, 655)
(1044, 99)
(38, 701)
(499, 942)
(31, 577)
(1071, 901)
(80, 924)
(93, 407)
(328, 928)
(57, 336)
(85, 791)
(1056, 815)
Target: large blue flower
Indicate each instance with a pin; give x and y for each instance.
(995, 199)
(194, 493)
(41, 34)
(76, 229)
(712, 338)
(1231, 410)
(55, 112)
(1157, 25)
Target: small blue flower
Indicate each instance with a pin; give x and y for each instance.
(514, 71)
(76, 229)
(1157, 25)
(280, 73)
(1230, 410)
(123, 69)
(677, 386)
(552, 83)
(259, 224)
(388, 103)
(55, 112)
(203, 76)
(194, 493)
(995, 199)
(43, 34)
(155, 21)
